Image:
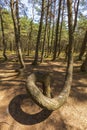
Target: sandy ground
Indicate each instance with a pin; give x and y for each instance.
(19, 112)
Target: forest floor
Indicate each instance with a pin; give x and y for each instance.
(19, 112)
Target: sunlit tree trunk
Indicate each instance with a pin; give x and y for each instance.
(76, 6)
(44, 100)
(15, 17)
(71, 44)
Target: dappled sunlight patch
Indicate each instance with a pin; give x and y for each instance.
(2, 95)
(82, 80)
(59, 69)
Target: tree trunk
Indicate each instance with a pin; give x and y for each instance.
(83, 47)
(71, 37)
(57, 32)
(30, 37)
(39, 35)
(53, 26)
(76, 7)
(49, 29)
(31, 30)
(36, 94)
(15, 17)
(59, 49)
(84, 65)
(45, 33)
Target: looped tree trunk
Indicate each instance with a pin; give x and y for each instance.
(46, 101)
(36, 94)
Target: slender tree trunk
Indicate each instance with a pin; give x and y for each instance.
(30, 37)
(49, 29)
(3, 37)
(71, 44)
(59, 49)
(83, 47)
(76, 7)
(53, 26)
(31, 30)
(45, 33)
(15, 17)
(57, 32)
(11, 46)
(84, 65)
(39, 35)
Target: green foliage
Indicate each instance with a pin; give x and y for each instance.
(64, 36)
(7, 20)
(24, 25)
(82, 23)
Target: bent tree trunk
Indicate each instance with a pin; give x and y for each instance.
(33, 90)
(46, 101)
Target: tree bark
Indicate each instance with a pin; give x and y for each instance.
(49, 28)
(31, 30)
(83, 47)
(39, 35)
(45, 33)
(15, 17)
(53, 26)
(30, 37)
(59, 49)
(57, 32)
(84, 65)
(76, 7)
(36, 94)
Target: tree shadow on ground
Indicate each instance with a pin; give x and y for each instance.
(24, 118)
(79, 94)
